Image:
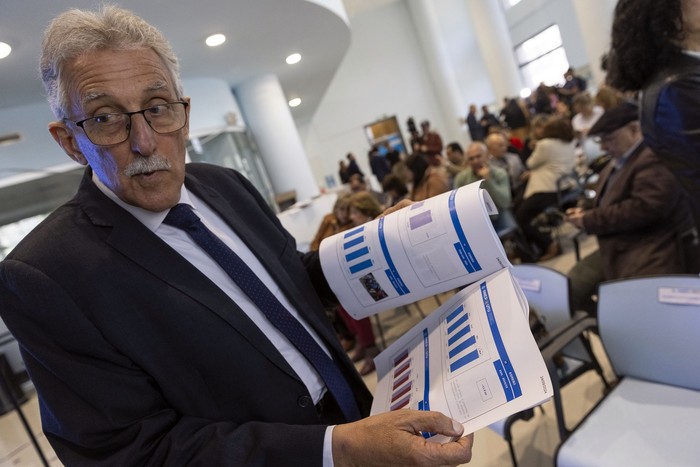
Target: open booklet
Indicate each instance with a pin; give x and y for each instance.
(427, 248)
(474, 358)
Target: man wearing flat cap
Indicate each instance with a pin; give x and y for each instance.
(640, 212)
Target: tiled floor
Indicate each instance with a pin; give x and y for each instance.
(535, 440)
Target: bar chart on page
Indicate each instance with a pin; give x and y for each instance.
(463, 349)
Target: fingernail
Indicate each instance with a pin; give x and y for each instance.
(457, 426)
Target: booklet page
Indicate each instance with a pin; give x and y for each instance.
(427, 248)
(473, 359)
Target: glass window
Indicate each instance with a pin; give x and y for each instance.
(542, 58)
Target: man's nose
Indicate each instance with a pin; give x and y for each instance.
(142, 137)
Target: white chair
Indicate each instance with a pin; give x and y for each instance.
(650, 330)
(547, 292)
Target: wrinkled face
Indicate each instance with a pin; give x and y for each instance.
(497, 146)
(620, 141)
(148, 169)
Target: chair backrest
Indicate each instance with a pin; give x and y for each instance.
(547, 290)
(650, 328)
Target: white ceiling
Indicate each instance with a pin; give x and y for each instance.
(260, 34)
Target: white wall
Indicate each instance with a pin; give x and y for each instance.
(384, 73)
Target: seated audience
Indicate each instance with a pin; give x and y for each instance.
(553, 157)
(363, 208)
(358, 184)
(395, 190)
(455, 162)
(497, 144)
(427, 180)
(639, 215)
(333, 222)
(495, 182)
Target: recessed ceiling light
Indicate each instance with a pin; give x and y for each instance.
(294, 102)
(215, 39)
(294, 58)
(5, 50)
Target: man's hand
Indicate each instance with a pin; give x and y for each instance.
(484, 172)
(394, 438)
(575, 216)
(401, 204)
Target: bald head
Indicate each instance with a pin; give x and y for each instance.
(477, 155)
(497, 144)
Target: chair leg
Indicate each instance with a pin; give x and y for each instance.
(381, 331)
(512, 453)
(420, 310)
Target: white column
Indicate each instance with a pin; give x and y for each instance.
(595, 21)
(267, 114)
(491, 30)
(437, 60)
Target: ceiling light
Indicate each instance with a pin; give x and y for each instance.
(294, 102)
(5, 50)
(215, 39)
(294, 58)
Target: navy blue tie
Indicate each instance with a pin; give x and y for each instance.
(182, 217)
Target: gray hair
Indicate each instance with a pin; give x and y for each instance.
(75, 32)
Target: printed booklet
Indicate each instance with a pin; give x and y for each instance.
(474, 358)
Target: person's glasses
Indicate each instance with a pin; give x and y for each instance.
(114, 128)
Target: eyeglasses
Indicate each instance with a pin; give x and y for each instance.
(114, 128)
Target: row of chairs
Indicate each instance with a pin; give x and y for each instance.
(650, 331)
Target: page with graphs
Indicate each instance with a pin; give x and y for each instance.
(473, 359)
(426, 248)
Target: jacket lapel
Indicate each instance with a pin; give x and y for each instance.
(257, 245)
(145, 249)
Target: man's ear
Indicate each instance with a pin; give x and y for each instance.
(65, 138)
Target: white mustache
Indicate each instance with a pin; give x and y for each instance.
(146, 165)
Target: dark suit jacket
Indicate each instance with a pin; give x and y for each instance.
(139, 359)
(638, 218)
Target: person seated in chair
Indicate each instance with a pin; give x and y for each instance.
(639, 213)
(495, 182)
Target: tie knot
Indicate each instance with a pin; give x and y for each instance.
(181, 216)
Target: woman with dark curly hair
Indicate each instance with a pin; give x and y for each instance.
(656, 49)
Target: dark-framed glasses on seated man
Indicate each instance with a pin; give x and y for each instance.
(108, 129)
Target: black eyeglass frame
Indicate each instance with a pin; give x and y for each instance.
(80, 123)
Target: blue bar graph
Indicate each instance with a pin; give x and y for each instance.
(353, 255)
(459, 334)
(460, 362)
(461, 341)
(463, 346)
(355, 241)
(361, 266)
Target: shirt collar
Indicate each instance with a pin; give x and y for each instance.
(152, 220)
(621, 161)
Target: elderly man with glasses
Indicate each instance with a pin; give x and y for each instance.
(640, 215)
(164, 314)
